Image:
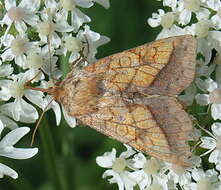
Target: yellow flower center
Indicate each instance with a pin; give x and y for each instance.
(69, 5)
(45, 28)
(151, 166)
(202, 28)
(192, 5)
(119, 165)
(167, 20)
(73, 44)
(19, 46)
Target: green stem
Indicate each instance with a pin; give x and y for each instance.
(50, 156)
(65, 65)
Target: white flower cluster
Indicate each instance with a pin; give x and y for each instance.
(131, 170)
(34, 35)
(202, 19)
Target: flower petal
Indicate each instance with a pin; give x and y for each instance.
(202, 99)
(106, 161)
(104, 3)
(208, 142)
(78, 18)
(5, 170)
(9, 4)
(1, 127)
(56, 108)
(36, 97)
(216, 128)
(216, 111)
(20, 26)
(129, 152)
(214, 156)
(71, 121)
(138, 161)
(115, 178)
(143, 180)
(21, 153)
(30, 5)
(8, 122)
(14, 136)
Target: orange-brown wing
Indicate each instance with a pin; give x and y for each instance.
(157, 126)
(163, 67)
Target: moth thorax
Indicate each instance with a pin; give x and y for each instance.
(81, 96)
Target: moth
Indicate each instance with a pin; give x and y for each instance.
(131, 97)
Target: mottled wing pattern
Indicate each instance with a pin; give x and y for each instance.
(164, 67)
(108, 96)
(156, 126)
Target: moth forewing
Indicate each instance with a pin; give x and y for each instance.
(108, 96)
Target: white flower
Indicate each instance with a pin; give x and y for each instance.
(25, 12)
(7, 149)
(214, 40)
(73, 45)
(213, 143)
(147, 172)
(5, 71)
(166, 20)
(117, 168)
(178, 174)
(17, 48)
(94, 41)
(40, 59)
(158, 184)
(104, 3)
(187, 7)
(77, 16)
(86, 42)
(213, 98)
(170, 3)
(50, 25)
(19, 109)
(203, 69)
(71, 121)
(174, 30)
(216, 19)
(204, 180)
(6, 118)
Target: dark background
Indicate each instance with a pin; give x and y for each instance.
(66, 158)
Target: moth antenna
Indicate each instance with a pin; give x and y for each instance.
(26, 83)
(82, 58)
(38, 123)
(26, 86)
(195, 146)
(208, 132)
(207, 111)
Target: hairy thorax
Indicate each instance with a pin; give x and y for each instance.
(80, 95)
